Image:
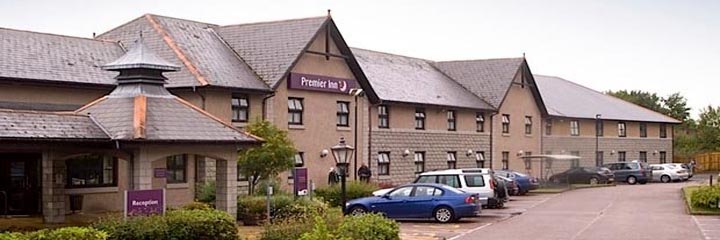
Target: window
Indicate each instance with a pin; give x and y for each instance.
(663, 157)
(621, 156)
(574, 128)
(420, 118)
(480, 122)
(505, 160)
(295, 111)
(383, 117)
(548, 127)
(528, 125)
(401, 192)
(643, 130)
(298, 161)
(240, 176)
(451, 160)
(474, 180)
(505, 123)
(480, 159)
(176, 168)
(426, 179)
(91, 171)
(575, 153)
(528, 161)
(451, 121)
(621, 130)
(599, 128)
(343, 114)
(599, 158)
(663, 130)
(423, 191)
(240, 108)
(384, 163)
(575, 163)
(419, 162)
(450, 180)
(643, 156)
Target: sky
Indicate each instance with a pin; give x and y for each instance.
(660, 46)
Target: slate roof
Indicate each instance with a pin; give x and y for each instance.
(564, 98)
(489, 79)
(32, 125)
(271, 48)
(48, 57)
(412, 80)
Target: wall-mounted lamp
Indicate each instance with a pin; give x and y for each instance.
(406, 152)
(612, 152)
(324, 153)
(520, 153)
(655, 152)
(469, 152)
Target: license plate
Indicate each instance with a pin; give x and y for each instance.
(611, 179)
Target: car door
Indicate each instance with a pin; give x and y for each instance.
(575, 175)
(657, 171)
(422, 202)
(620, 172)
(394, 204)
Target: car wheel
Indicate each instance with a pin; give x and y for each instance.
(632, 180)
(357, 210)
(594, 181)
(665, 179)
(444, 214)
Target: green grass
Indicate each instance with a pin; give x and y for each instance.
(687, 192)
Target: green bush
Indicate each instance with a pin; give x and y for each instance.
(197, 206)
(321, 232)
(206, 193)
(13, 236)
(354, 190)
(293, 228)
(179, 224)
(261, 189)
(369, 227)
(251, 210)
(75, 233)
(706, 197)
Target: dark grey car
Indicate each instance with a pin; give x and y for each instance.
(631, 172)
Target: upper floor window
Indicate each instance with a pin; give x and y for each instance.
(506, 123)
(240, 108)
(480, 122)
(452, 160)
(643, 130)
(176, 169)
(90, 171)
(419, 118)
(599, 128)
(548, 126)
(663, 130)
(528, 125)
(574, 128)
(622, 132)
(419, 162)
(384, 163)
(295, 111)
(451, 121)
(343, 114)
(383, 117)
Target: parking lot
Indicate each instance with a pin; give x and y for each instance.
(652, 211)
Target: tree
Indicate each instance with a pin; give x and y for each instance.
(645, 99)
(268, 160)
(708, 129)
(676, 107)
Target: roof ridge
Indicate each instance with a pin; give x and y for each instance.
(170, 42)
(486, 59)
(58, 35)
(392, 54)
(271, 21)
(119, 26)
(181, 19)
(299, 55)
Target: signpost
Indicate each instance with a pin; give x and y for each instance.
(144, 202)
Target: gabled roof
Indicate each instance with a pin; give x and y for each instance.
(564, 98)
(271, 48)
(411, 80)
(205, 57)
(48, 57)
(33, 125)
(489, 79)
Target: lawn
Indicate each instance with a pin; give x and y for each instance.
(687, 192)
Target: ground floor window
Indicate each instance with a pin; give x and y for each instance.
(643, 156)
(663, 157)
(480, 159)
(505, 160)
(575, 163)
(298, 161)
(451, 160)
(91, 170)
(621, 156)
(177, 168)
(384, 163)
(419, 162)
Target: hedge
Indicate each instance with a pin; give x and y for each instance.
(706, 197)
(354, 190)
(252, 210)
(369, 227)
(75, 233)
(179, 225)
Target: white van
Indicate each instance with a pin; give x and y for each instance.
(471, 180)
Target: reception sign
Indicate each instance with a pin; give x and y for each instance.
(300, 181)
(144, 202)
(320, 83)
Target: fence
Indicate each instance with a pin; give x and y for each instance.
(704, 161)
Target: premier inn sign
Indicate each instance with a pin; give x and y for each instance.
(320, 83)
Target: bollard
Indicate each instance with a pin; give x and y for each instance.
(711, 176)
(269, 193)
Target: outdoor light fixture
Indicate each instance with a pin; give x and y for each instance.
(469, 152)
(655, 152)
(612, 152)
(324, 153)
(342, 153)
(406, 152)
(520, 153)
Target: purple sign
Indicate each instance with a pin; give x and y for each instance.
(320, 83)
(159, 172)
(300, 181)
(144, 202)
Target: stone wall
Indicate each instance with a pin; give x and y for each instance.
(585, 145)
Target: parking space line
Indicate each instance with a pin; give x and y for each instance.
(471, 230)
(702, 231)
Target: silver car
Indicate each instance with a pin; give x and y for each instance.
(668, 173)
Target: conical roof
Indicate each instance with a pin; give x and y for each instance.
(140, 57)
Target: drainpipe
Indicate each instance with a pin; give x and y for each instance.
(264, 104)
(492, 135)
(356, 138)
(370, 138)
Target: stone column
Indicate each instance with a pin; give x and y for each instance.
(226, 186)
(53, 189)
(205, 169)
(142, 170)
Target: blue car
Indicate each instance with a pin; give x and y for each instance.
(420, 200)
(525, 182)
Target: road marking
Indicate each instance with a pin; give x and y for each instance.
(600, 215)
(702, 231)
(471, 230)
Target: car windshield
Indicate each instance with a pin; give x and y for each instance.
(475, 180)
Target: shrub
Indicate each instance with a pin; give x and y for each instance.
(321, 232)
(706, 197)
(179, 224)
(206, 193)
(354, 189)
(261, 189)
(293, 228)
(75, 233)
(251, 210)
(197, 206)
(369, 227)
(13, 236)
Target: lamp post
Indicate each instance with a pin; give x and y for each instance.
(342, 153)
(597, 137)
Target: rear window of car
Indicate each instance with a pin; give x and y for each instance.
(426, 179)
(450, 180)
(475, 180)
